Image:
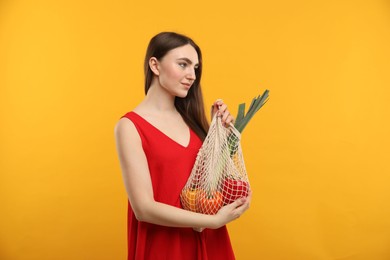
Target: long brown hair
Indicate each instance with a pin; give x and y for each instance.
(191, 107)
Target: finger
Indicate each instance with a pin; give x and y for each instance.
(222, 108)
(229, 120)
(225, 116)
(223, 112)
(249, 197)
(241, 209)
(219, 101)
(199, 229)
(246, 203)
(238, 203)
(248, 200)
(216, 105)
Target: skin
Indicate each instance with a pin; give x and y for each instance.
(173, 76)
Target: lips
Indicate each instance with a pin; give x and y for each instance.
(188, 85)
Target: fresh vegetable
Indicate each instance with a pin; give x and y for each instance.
(188, 199)
(234, 189)
(210, 202)
(241, 119)
(219, 176)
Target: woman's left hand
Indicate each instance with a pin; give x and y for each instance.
(221, 108)
(198, 229)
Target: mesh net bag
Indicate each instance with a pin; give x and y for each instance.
(219, 176)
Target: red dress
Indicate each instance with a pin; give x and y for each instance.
(170, 165)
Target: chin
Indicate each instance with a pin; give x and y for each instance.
(182, 94)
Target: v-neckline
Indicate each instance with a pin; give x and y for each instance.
(164, 134)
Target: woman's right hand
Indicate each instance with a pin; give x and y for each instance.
(232, 211)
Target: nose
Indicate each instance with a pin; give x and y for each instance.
(191, 75)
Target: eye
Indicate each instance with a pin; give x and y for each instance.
(183, 64)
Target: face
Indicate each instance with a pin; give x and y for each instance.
(176, 70)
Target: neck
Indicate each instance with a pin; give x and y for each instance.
(157, 99)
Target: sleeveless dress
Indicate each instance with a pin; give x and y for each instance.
(170, 165)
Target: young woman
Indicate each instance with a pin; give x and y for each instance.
(157, 144)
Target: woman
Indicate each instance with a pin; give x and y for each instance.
(157, 144)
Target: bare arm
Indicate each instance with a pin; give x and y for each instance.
(136, 177)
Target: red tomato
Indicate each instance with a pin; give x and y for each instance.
(233, 190)
(210, 202)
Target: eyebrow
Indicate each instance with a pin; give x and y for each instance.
(188, 60)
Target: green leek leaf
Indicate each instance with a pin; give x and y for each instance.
(242, 120)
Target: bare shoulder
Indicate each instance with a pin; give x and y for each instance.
(126, 130)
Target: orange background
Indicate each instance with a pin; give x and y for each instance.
(317, 153)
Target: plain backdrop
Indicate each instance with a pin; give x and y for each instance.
(317, 153)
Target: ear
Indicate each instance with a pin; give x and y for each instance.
(153, 64)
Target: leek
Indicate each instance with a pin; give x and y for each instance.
(243, 119)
